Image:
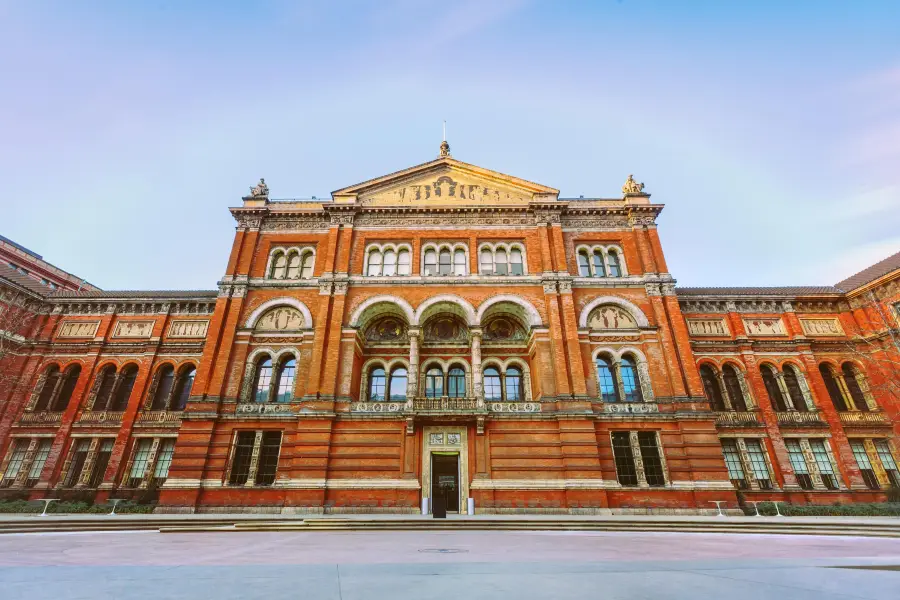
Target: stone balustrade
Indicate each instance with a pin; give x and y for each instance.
(103, 417)
(445, 404)
(41, 418)
(800, 419)
(864, 419)
(165, 418)
(733, 418)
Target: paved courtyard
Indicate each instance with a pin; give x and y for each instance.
(425, 565)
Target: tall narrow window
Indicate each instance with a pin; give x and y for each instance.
(240, 462)
(854, 388)
(79, 456)
(104, 452)
(772, 389)
(293, 270)
(263, 380)
(399, 381)
(434, 383)
(834, 392)
(599, 268)
(733, 462)
(630, 381)
(183, 389)
(865, 466)
(514, 384)
(624, 458)
(140, 463)
(279, 266)
(456, 383)
(37, 465)
(500, 262)
(516, 266)
(430, 262)
(487, 262)
(390, 264)
(887, 461)
(793, 385)
(377, 384)
(165, 379)
(615, 269)
(163, 460)
(608, 392)
(711, 387)
(650, 454)
(50, 380)
(403, 262)
(733, 388)
(306, 270)
(758, 462)
(126, 385)
(268, 458)
(798, 463)
(284, 387)
(823, 461)
(584, 269)
(104, 393)
(492, 386)
(68, 388)
(18, 449)
(459, 263)
(374, 264)
(445, 262)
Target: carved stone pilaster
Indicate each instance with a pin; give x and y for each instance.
(638, 459)
(811, 464)
(85, 478)
(653, 289)
(151, 464)
(549, 286)
(254, 459)
(36, 393)
(546, 217)
(565, 287)
(340, 288)
(667, 289)
(747, 464)
(341, 218)
(22, 475)
(325, 288)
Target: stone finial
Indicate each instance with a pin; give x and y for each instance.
(260, 190)
(632, 187)
(445, 149)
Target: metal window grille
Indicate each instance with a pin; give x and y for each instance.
(624, 458)
(163, 459)
(653, 469)
(798, 463)
(243, 451)
(865, 467)
(15, 462)
(758, 463)
(887, 461)
(100, 463)
(268, 458)
(40, 459)
(77, 464)
(823, 461)
(139, 464)
(733, 462)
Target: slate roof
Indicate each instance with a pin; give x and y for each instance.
(24, 281)
(789, 291)
(870, 274)
(125, 294)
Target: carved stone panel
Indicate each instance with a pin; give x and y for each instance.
(133, 329)
(610, 316)
(281, 319)
(764, 326)
(708, 327)
(188, 329)
(815, 327)
(386, 329)
(447, 188)
(78, 329)
(503, 329)
(445, 329)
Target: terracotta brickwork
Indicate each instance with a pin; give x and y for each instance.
(451, 313)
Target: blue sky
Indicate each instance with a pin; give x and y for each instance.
(771, 130)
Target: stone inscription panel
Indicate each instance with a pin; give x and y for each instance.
(79, 329)
(764, 326)
(815, 327)
(710, 327)
(188, 329)
(133, 329)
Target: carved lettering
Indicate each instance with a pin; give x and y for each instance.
(710, 327)
(821, 327)
(79, 329)
(188, 329)
(133, 329)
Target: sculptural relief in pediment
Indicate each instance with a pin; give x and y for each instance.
(446, 188)
(280, 319)
(610, 316)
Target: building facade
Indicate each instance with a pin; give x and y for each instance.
(449, 332)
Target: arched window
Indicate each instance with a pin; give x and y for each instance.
(279, 266)
(445, 262)
(390, 263)
(403, 262)
(183, 388)
(599, 269)
(306, 270)
(711, 387)
(123, 391)
(834, 391)
(293, 270)
(584, 269)
(399, 380)
(263, 380)
(793, 386)
(104, 392)
(853, 386)
(733, 388)
(377, 384)
(68, 387)
(615, 270)
(434, 383)
(516, 266)
(607, 382)
(492, 387)
(630, 381)
(456, 383)
(430, 262)
(500, 262)
(775, 396)
(514, 391)
(487, 262)
(284, 383)
(374, 263)
(459, 262)
(51, 378)
(165, 378)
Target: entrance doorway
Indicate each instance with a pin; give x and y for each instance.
(445, 479)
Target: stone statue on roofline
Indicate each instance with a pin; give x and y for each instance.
(260, 190)
(632, 187)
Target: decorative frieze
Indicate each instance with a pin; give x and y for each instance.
(188, 329)
(311, 222)
(514, 407)
(708, 327)
(458, 219)
(377, 407)
(264, 409)
(78, 329)
(822, 327)
(133, 329)
(763, 326)
(631, 408)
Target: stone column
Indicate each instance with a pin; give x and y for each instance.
(845, 392)
(28, 459)
(723, 389)
(638, 459)
(747, 464)
(880, 473)
(785, 392)
(89, 461)
(254, 460)
(812, 464)
(151, 464)
(476, 367)
(412, 381)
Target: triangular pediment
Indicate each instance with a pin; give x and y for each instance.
(445, 182)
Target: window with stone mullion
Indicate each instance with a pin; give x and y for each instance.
(798, 463)
(624, 458)
(734, 465)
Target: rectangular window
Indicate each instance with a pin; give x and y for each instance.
(798, 463)
(653, 469)
(624, 457)
(865, 467)
(758, 463)
(733, 462)
(17, 457)
(240, 463)
(163, 459)
(268, 458)
(101, 462)
(887, 461)
(77, 465)
(139, 464)
(823, 461)
(40, 459)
